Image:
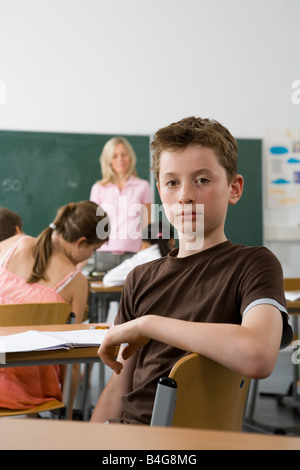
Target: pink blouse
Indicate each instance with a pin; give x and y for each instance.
(123, 208)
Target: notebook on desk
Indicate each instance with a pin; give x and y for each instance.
(33, 340)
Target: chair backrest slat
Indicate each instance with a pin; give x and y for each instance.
(34, 314)
(209, 395)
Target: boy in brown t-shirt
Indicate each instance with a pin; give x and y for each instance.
(209, 296)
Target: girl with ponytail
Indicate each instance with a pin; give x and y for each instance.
(43, 269)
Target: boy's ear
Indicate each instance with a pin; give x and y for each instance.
(236, 189)
(80, 240)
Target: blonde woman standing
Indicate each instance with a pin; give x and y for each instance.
(126, 198)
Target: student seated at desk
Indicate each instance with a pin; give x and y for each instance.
(10, 224)
(43, 269)
(210, 296)
(157, 241)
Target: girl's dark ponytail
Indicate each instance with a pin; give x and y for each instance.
(73, 221)
(41, 253)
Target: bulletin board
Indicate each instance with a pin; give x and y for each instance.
(282, 156)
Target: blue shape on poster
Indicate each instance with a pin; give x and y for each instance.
(293, 160)
(281, 181)
(279, 150)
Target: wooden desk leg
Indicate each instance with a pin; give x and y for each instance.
(102, 308)
(93, 308)
(103, 302)
(67, 391)
(87, 368)
(98, 308)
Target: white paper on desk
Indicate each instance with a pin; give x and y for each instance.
(292, 295)
(33, 340)
(95, 284)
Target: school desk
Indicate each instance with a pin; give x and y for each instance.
(100, 297)
(78, 355)
(43, 434)
(57, 356)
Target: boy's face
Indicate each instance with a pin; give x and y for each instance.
(193, 176)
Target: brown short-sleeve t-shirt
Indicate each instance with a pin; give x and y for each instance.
(217, 285)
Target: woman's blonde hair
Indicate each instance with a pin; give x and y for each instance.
(108, 175)
(72, 221)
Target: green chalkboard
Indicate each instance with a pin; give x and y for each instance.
(41, 171)
(244, 223)
(244, 220)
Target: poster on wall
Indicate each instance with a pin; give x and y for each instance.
(282, 156)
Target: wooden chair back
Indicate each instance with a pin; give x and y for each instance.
(34, 314)
(209, 396)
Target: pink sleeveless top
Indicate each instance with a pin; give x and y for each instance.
(15, 290)
(24, 387)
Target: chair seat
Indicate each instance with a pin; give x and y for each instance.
(48, 406)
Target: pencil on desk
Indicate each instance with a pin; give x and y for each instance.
(100, 327)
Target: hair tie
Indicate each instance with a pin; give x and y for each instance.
(53, 226)
(71, 205)
(159, 234)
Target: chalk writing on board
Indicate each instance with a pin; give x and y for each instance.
(72, 184)
(10, 184)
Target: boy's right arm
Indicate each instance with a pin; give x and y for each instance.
(109, 405)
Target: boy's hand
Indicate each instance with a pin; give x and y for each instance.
(128, 333)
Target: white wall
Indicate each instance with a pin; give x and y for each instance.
(131, 66)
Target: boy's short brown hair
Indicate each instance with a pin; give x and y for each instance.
(197, 131)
